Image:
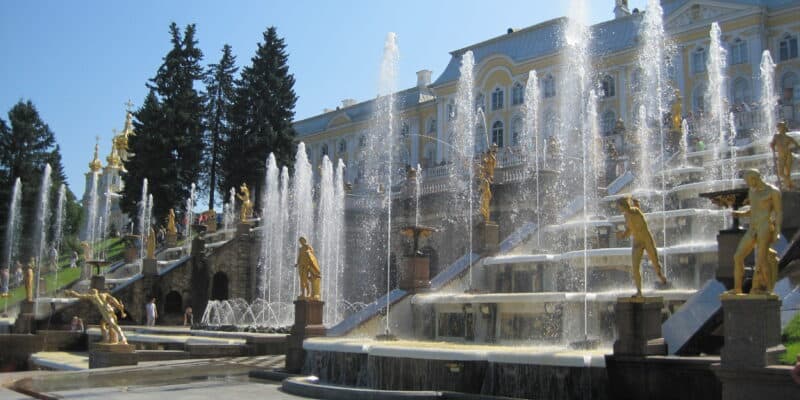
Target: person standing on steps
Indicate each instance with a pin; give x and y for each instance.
(151, 312)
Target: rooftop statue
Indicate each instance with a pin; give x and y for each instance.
(783, 145)
(309, 271)
(766, 216)
(641, 238)
(107, 305)
(246, 211)
(171, 222)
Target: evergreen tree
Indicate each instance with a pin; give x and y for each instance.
(25, 148)
(262, 116)
(168, 146)
(220, 88)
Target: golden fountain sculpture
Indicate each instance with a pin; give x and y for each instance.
(486, 176)
(246, 211)
(641, 238)
(29, 280)
(309, 271)
(171, 228)
(782, 146)
(766, 215)
(151, 244)
(107, 305)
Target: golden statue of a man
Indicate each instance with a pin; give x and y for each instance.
(107, 305)
(151, 244)
(766, 216)
(488, 165)
(29, 280)
(309, 271)
(677, 117)
(246, 211)
(641, 238)
(171, 228)
(782, 145)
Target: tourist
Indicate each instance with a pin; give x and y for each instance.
(76, 325)
(18, 275)
(53, 257)
(151, 312)
(188, 318)
(73, 260)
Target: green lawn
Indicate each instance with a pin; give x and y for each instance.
(792, 343)
(113, 249)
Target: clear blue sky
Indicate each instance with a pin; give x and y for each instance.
(80, 61)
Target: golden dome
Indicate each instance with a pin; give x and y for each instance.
(113, 159)
(95, 165)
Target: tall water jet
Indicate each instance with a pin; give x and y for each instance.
(143, 223)
(58, 228)
(463, 141)
(104, 222)
(302, 201)
(769, 100)
(12, 226)
(339, 244)
(717, 94)
(644, 171)
(229, 213)
(417, 194)
(684, 143)
(189, 217)
(732, 145)
(92, 212)
(42, 218)
(328, 230)
(271, 242)
(285, 273)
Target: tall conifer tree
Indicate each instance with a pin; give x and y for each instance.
(220, 90)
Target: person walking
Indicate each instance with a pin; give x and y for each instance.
(151, 312)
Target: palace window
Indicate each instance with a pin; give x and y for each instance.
(698, 97)
(497, 99)
(342, 146)
(636, 80)
(549, 124)
(738, 52)
(451, 110)
(516, 131)
(787, 48)
(699, 58)
(549, 84)
(790, 87)
(324, 150)
(609, 120)
(497, 133)
(741, 91)
(432, 125)
(404, 129)
(362, 141)
(608, 86)
(517, 94)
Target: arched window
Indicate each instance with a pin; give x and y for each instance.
(636, 80)
(738, 51)
(480, 139)
(608, 86)
(699, 58)
(549, 84)
(517, 94)
(789, 86)
(516, 131)
(609, 120)
(787, 48)
(741, 91)
(173, 303)
(432, 125)
(698, 97)
(497, 133)
(324, 151)
(451, 110)
(497, 99)
(549, 124)
(219, 286)
(342, 146)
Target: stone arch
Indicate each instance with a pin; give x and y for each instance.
(220, 288)
(173, 303)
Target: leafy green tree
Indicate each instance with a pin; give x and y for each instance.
(26, 146)
(168, 146)
(262, 116)
(220, 90)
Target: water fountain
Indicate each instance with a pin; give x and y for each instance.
(144, 223)
(12, 226)
(41, 225)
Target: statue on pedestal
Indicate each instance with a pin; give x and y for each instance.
(782, 146)
(171, 222)
(766, 216)
(107, 305)
(641, 238)
(246, 211)
(486, 176)
(309, 271)
(151, 243)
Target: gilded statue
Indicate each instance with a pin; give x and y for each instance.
(107, 305)
(308, 269)
(151, 244)
(171, 222)
(677, 118)
(488, 165)
(641, 238)
(87, 251)
(246, 211)
(766, 216)
(29, 280)
(782, 145)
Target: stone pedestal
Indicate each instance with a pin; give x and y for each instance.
(415, 273)
(98, 282)
(149, 267)
(103, 355)
(242, 229)
(491, 237)
(131, 254)
(26, 320)
(307, 323)
(727, 241)
(172, 239)
(752, 331)
(638, 321)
